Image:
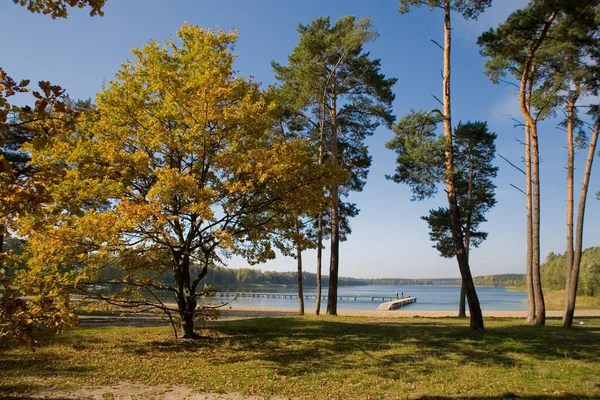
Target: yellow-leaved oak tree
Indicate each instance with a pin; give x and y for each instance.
(177, 166)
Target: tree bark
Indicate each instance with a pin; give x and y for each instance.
(476, 322)
(185, 297)
(570, 300)
(335, 223)
(299, 259)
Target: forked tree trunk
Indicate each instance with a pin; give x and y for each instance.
(529, 272)
(574, 278)
(527, 77)
(476, 322)
(299, 259)
(540, 306)
(335, 223)
(529, 205)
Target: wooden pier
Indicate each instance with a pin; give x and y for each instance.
(229, 295)
(394, 304)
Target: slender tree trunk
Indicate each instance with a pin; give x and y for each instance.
(320, 217)
(462, 307)
(462, 303)
(299, 259)
(462, 312)
(570, 201)
(529, 272)
(540, 306)
(461, 255)
(526, 77)
(2, 230)
(335, 223)
(319, 262)
(570, 301)
(529, 205)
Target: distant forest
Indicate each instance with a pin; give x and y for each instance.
(225, 277)
(553, 272)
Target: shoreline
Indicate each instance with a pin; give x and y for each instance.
(232, 311)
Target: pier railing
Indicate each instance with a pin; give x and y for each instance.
(228, 295)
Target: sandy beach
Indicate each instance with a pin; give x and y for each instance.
(233, 311)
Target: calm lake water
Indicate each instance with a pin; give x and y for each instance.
(434, 298)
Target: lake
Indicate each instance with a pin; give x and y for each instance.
(433, 298)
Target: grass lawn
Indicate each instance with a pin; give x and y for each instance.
(325, 357)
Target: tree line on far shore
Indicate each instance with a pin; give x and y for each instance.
(222, 277)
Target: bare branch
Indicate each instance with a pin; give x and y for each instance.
(511, 164)
(519, 189)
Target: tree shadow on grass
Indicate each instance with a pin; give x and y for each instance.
(298, 346)
(294, 346)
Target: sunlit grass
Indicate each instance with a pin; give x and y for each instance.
(555, 300)
(326, 357)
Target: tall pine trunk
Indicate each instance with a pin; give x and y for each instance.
(574, 278)
(320, 216)
(476, 322)
(319, 262)
(570, 199)
(335, 223)
(299, 259)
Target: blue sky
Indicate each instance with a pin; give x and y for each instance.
(389, 239)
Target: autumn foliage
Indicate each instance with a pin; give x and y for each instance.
(177, 166)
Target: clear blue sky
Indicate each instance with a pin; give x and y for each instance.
(389, 239)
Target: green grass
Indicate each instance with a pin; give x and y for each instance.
(326, 358)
